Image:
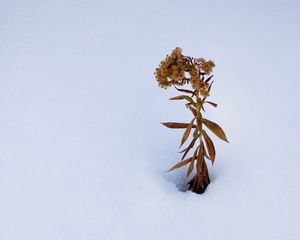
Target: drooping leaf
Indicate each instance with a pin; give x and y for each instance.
(187, 132)
(184, 90)
(180, 164)
(176, 125)
(181, 97)
(210, 146)
(212, 103)
(191, 167)
(215, 128)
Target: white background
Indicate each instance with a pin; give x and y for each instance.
(82, 151)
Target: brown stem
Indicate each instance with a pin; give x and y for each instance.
(200, 181)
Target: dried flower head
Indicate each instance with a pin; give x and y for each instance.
(177, 69)
(207, 66)
(171, 70)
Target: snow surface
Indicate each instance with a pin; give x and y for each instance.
(82, 153)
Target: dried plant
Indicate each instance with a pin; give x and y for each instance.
(178, 70)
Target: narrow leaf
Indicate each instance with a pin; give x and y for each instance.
(184, 90)
(212, 103)
(195, 133)
(210, 147)
(200, 158)
(187, 132)
(191, 167)
(199, 122)
(181, 97)
(193, 110)
(207, 80)
(208, 90)
(176, 125)
(180, 164)
(215, 128)
(191, 145)
(205, 154)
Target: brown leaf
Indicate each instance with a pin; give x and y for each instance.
(187, 132)
(181, 97)
(208, 90)
(184, 90)
(193, 110)
(180, 164)
(200, 158)
(191, 145)
(195, 133)
(215, 128)
(205, 154)
(191, 167)
(210, 147)
(176, 125)
(212, 103)
(207, 80)
(199, 121)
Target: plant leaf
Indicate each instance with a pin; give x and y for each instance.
(195, 133)
(191, 167)
(207, 80)
(180, 164)
(199, 122)
(184, 90)
(181, 97)
(215, 128)
(176, 125)
(205, 154)
(193, 110)
(210, 147)
(208, 90)
(188, 148)
(187, 132)
(212, 103)
(200, 158)
(191, 145)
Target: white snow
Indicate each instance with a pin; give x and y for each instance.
(82, 151)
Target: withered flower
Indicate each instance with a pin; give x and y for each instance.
(178, 70)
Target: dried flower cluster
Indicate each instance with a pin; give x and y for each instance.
(178, 70)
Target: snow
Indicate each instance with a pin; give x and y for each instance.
(83, 154)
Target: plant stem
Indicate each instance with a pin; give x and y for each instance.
(199, 115)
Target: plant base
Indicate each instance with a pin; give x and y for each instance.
(200, 181)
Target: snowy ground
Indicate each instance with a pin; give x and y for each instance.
(82, 153)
